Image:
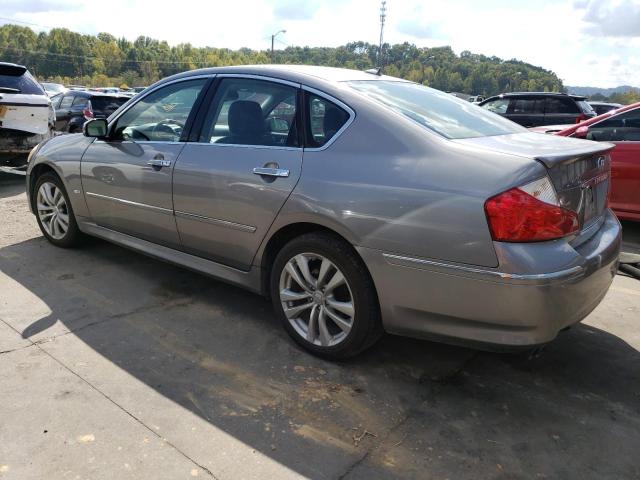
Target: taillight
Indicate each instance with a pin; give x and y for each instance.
(531, 213)
(581, 118)
(88, 111)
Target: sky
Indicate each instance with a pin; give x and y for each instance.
(585, 42)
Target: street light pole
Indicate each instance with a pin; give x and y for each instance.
(383, 17)
(273, 37)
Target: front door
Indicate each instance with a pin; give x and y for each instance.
(230, 185)
(127, 178)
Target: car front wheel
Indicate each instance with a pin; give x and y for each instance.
(325, 297)
(54, 212)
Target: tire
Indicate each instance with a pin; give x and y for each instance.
(349, 329)
(51, 211)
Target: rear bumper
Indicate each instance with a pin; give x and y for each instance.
(15, 146)
(497, 308)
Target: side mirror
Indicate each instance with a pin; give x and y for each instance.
(581, 132)
(96, 128)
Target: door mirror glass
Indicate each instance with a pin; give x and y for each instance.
(96, 128)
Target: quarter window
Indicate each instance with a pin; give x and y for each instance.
(252, 112)
(160, 116)
(324, 120)
(620, 128)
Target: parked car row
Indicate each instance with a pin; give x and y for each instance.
(75, 107)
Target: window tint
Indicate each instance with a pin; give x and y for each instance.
(560, 105)
(24, 83)
(107, 105)
(527, 106)
(252, 112)
(620, 128)
(66, 102)
(445, 114)
(79, 102)
(161, 115)
(324, 119)
(497, 106)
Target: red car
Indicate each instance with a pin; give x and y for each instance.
(622, 128)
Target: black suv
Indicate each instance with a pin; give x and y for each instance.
(532, 109)
(74, 107)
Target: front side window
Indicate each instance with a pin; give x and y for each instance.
(160, 116)
(438, 111)
(497, 106)
(324, 119)
(252, 112)
(619, 128)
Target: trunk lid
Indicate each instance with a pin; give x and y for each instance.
(25, 112)
(580, 170)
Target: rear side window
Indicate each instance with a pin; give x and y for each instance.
(24, 83)
(79, 102)
(561, 105)
(66, 102)
(324, 120)
(527, 105)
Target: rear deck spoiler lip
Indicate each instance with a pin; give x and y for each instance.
(12, 69)
(573, 155)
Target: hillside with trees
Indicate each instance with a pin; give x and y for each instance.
(67, 57)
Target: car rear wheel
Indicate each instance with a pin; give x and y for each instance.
(54, 212)
(325, 297)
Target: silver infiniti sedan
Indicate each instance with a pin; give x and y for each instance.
(360, 203)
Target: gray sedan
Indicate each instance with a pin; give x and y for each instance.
(359, 203)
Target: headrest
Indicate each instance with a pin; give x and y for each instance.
(245, 118)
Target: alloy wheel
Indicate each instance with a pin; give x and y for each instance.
(316, 299)
(52, 210)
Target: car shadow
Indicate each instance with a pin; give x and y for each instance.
(403, 409)
(11, 184)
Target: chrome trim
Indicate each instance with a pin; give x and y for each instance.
(271, 172)
(253, 76)
(341, 104)
(117, 114)
(158, 162)
(257, 147)
(216, 221)
(539, 278)
(139, 142)
(130, 203)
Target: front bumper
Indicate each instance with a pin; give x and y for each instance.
(512, 306)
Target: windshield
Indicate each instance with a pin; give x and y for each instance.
(438, 111)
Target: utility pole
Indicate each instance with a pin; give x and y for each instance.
(383, 17)
(273, 37)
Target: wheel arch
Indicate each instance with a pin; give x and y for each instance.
(37, 171)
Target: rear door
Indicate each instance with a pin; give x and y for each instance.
(127, 179)
(623, 130)
(230, 184)
(527, 111)
(63, 111)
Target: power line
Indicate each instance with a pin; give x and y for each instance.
(26, 23)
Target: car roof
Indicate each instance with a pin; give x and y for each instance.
(295, 73)
(535, 94)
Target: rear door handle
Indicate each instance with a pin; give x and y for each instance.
(271, 172)
(159, 162)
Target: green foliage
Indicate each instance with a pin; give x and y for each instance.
(103, 60)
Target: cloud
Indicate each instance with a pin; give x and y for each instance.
(419, 29)
(295, 10)
(612, 18)
(36, 6)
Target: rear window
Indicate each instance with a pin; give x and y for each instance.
(438, 111)
(107, 105)
(25, 83)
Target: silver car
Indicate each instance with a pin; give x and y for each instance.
(359, 203)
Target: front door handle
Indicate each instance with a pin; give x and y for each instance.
(159, 162)
(271, 172)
